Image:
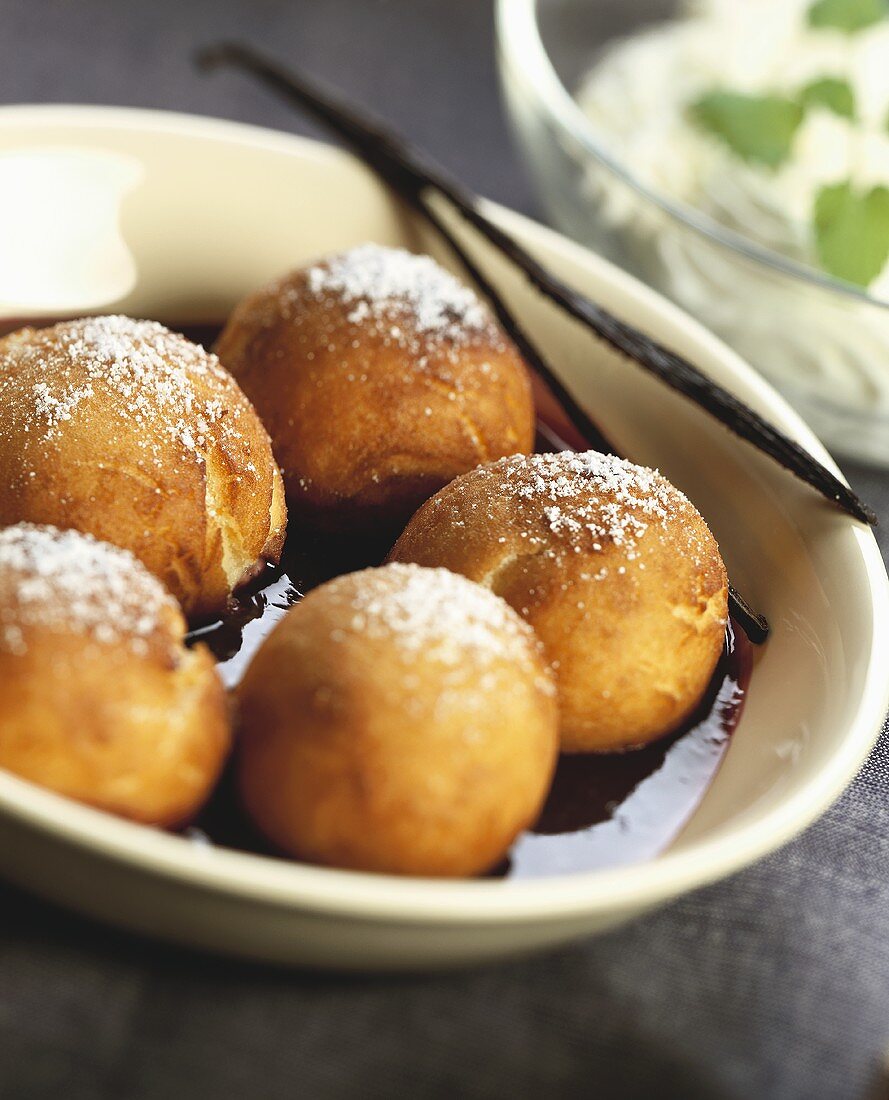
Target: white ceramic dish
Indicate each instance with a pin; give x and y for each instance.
(205, 210)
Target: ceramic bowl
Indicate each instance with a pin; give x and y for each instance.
(185, 215)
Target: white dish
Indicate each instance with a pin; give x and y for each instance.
(216, 208)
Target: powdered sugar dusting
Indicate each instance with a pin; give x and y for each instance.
(385, 285)
(55, 408)
(583, 502)
(593, 497)
(71, 583)
(150, 372)
(440, 615)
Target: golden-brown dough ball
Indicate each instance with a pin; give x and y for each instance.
(100, 700)
(131, 433)
(380, 377)
(612, 566)
(399, 720)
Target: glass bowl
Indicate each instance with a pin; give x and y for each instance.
(823, 342)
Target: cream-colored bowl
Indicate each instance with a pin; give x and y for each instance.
(183, 216)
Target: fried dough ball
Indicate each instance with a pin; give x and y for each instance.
(399, 720)
(99, 698)
(380, 377)
(131, 433)
(612, 566)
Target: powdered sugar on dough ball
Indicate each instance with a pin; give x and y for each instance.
(153, 372)
(67, 583)
(590, 498)
(399, 720)
(440, 616)
(380, 377)
(101, 699)
(383, 284)
(124, 430)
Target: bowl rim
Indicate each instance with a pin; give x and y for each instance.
(521, 50)
(414, 901)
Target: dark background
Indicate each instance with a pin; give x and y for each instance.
(772, 984)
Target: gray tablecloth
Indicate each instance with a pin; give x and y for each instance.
(772, 984)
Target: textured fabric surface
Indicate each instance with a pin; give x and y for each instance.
(772, 984)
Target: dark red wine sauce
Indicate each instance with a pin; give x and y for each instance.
(602, 811)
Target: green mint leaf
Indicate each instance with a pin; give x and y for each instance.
(756, 127)
(831, 92)
(847, 15)
(852, 231)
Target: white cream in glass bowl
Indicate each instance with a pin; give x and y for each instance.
(736, 156)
